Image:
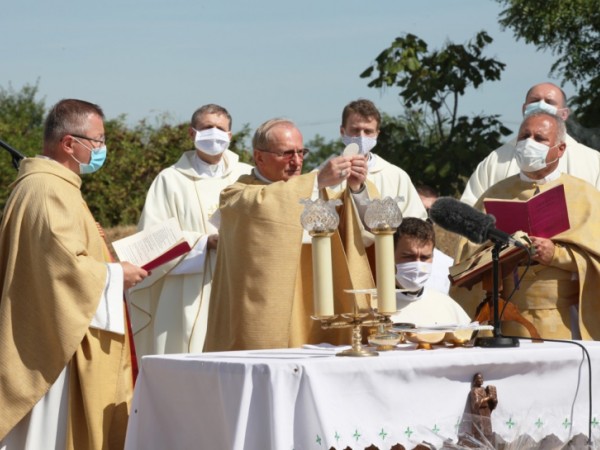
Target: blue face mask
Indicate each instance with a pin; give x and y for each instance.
(96, 160)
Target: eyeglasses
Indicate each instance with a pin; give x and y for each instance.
(101, 141)
(288, 154)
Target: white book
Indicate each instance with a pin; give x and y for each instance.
(154, 246)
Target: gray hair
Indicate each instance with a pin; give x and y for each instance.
(262, 135)
(69, 116)
(561, 128)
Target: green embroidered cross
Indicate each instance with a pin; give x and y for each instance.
(566, 423)
(539, 423)
(383, 434)
(318, 439)
(435, 429)
(408, 432)
(337, 437)
(510, 423)
(595, 422)
(356, 435)
(457, 424)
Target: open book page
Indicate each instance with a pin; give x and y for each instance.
(154, 246)
(543, 215)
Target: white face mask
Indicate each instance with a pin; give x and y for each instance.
(212, 141)
(531, 155)
(540, 106)
(365, 143)
(413, 275)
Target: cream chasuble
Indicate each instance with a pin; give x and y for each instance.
(53, 273)
(169, 309)
(547, 293)
(262, 287)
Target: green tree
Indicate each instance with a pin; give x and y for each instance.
(136, 154)
(431, 141)
(21, 127)
(571, 31)
(320, 150)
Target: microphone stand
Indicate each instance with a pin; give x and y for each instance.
(16, 156)
(497, 340)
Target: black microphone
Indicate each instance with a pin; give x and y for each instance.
(16, 156)
(458, 217)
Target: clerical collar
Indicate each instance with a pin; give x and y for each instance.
(260, 176)
(207, 170)
(547, 179)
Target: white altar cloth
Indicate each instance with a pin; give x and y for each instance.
(310, 399)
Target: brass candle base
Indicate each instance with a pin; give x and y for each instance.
(356, 320)
(357, 347)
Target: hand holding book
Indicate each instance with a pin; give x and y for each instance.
(544, 215)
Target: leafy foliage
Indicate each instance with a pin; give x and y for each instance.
(320, 150)
(571, 30)
(117, 192)
(21, 127)
(431, 141)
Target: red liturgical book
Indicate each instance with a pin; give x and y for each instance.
(543, 215)
(180, 249)
(153, 247)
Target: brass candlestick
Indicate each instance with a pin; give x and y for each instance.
(356, 319)
(320, 219)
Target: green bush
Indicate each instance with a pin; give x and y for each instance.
(115, 194)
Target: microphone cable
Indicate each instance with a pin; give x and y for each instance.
(586, 355)
(564, 341)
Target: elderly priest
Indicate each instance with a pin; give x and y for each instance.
(559, 291)
(262, 294)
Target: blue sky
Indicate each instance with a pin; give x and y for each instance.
(260, 59)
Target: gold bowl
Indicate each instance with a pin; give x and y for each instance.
(459, 337)
(426, 339)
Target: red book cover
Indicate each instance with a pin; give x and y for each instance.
(154, 246)
(178, 250)
(543, 215)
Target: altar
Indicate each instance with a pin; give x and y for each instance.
(310, 399)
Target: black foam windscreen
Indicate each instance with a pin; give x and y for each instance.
(458, 217)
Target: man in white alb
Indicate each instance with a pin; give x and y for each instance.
(169, 309)
(360, 125)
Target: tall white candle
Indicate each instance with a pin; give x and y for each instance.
(322, 276)
(385, 271)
